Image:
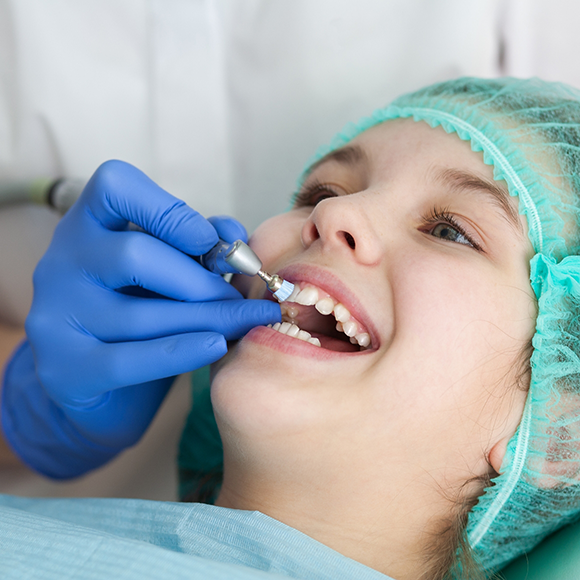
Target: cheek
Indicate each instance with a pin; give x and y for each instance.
(446, 377)
(460, 320)
(275, 241)
(433, 298)
(275, 237)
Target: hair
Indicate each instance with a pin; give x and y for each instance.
(205, 486)
(448, 555)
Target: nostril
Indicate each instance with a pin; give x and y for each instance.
(310, 233)
(349, 240)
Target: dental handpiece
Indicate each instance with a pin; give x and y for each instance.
(239, 258)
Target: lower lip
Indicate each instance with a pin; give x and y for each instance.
(294, 346)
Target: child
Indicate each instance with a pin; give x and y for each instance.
(403, 379)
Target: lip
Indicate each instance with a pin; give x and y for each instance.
(332, 285)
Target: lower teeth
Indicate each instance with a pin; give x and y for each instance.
(344, 324)
(295, 332)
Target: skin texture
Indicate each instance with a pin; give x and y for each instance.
(366, 452)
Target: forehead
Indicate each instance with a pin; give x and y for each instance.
(409, 144)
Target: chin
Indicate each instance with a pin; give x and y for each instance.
(242, 390)
(259, 392)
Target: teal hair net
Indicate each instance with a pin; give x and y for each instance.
(529, 131)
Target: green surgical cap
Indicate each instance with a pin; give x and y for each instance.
(529, 131)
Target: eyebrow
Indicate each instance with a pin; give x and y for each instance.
(460, 180)
(349, 155)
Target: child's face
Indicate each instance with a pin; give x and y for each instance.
(407, 229)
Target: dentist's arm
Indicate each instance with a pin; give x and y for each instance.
(116, 314)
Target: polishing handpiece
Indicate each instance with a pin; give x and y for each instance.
(239, 258)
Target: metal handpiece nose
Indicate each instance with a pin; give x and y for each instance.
(239, 258)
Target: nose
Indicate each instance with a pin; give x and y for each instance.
(343, 224)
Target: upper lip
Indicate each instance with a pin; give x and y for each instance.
(330, 283)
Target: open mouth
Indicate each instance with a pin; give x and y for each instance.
(312, 315)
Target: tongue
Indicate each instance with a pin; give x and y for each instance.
(311, 320)
(324, 328)
(336, 344)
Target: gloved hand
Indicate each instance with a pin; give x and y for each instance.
(116, 314)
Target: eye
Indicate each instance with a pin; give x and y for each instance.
(313, 194)
(442, 224)
(447, 232)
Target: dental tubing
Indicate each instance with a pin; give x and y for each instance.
(57, 193)
(239, 258)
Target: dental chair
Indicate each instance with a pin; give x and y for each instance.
(556, 558)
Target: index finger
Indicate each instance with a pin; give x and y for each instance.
(119, 193)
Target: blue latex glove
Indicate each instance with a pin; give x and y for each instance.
(100, 360)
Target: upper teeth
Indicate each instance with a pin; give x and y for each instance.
(325, 304)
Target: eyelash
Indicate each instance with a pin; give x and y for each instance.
(435, 217)
(304, 197)
(438, 216)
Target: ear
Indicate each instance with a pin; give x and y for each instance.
(497, 453)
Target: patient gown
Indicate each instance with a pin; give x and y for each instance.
(127, 539)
